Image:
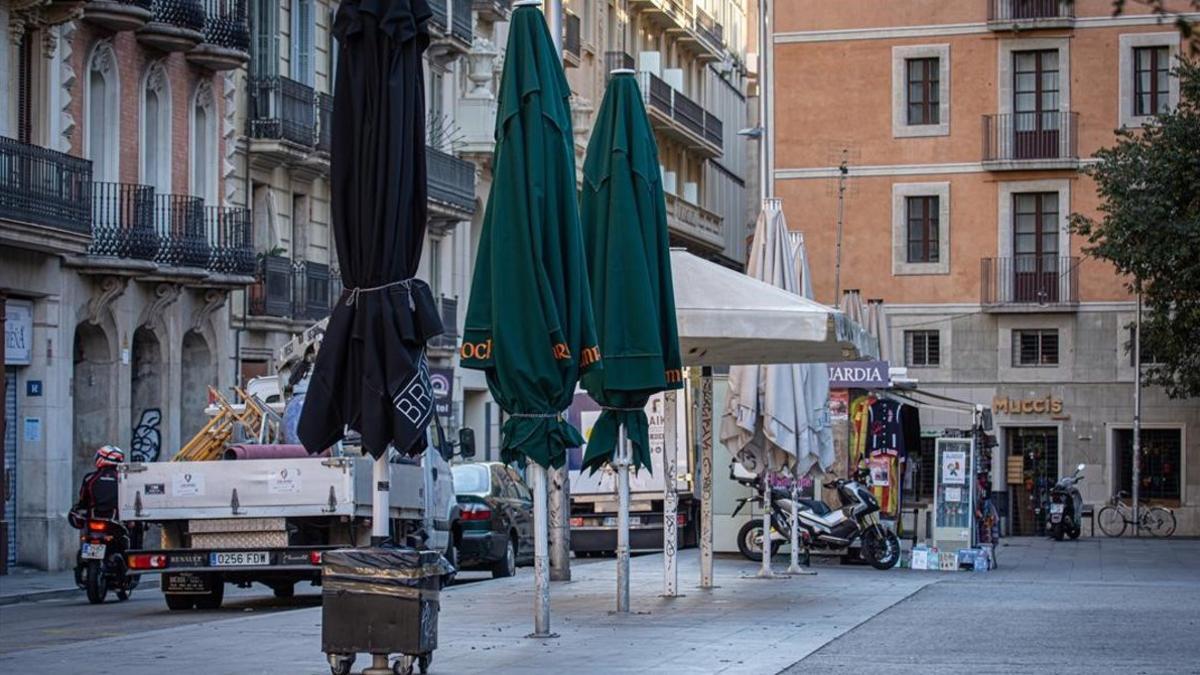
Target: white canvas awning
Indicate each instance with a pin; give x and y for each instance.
(726, 318)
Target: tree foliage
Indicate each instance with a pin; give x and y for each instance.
(1149, 229)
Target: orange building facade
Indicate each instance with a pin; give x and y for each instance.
(962, 128)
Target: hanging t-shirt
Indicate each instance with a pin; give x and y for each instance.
(886, 429)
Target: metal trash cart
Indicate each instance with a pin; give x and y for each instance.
(381, 601)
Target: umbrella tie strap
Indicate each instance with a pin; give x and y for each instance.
(357, 290)
(541, 415)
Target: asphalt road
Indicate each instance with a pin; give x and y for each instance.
(48, 623)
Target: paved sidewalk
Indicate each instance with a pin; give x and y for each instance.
(746, 625)
(25, 584)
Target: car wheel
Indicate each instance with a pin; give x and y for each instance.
(506, 566)
(452, 557)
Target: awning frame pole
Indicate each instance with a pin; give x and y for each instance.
(541, 551)
(670, 495)
(706, 478)
(622, 462)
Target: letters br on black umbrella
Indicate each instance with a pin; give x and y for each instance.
(529, 321)
(371, 373)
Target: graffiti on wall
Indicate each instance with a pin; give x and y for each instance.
(147, 439)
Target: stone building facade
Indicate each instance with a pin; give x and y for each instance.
(118, 248)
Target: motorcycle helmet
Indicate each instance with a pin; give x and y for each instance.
(109, 455)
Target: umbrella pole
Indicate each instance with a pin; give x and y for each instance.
(541, 552)
(379, 501)
(794, 567)
(622, 522)
(706, 478)
(670, 498)
(765, 571)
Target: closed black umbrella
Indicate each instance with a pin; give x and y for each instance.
(371, 373)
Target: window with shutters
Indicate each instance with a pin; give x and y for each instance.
(923, 95)
(922, 348)
(1151, 77)
(303, 27)
(264, 47)
(922, 216)
(1035, 347)
(920, 90)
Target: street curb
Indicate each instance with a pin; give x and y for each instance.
(58, 594)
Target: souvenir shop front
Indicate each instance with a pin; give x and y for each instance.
(933, 484)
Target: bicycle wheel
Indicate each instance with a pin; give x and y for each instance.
(1111, 521)
(1160, 522)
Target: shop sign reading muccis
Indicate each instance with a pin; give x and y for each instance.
(1047, 405)
(859, 375)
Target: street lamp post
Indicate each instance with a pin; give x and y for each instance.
(1137, 412)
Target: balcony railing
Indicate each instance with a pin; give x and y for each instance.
(179, 224)
(1010, 11)
(45, 187)
(617, 60)
(118, 15)
(324, 121)
(123, 221)
(282, 109)
(450, 180)
(694, 222)
(1030, 280)
(1030, 137)
(690, 116)
(187, 14)
(230, 239)
(572, 36)
(225, 24)
(709, 29)
(301, 290)
(448, 340)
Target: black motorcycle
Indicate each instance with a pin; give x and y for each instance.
(1065, 506)
(855, 523)
(100, 564)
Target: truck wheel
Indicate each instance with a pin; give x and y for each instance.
(451, 557)
(214, 598)
(178, 601)
(285, 590)
(506, 566)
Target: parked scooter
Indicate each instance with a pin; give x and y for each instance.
(855, 523)
(1065, 506)
(100, 564)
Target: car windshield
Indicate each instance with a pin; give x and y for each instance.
(472, 479)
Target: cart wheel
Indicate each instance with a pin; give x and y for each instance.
(423, 663)
(340, 664)
(403, 666)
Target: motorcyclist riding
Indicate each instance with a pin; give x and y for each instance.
(104, 540)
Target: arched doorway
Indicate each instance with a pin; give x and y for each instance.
(199, 373)
(92, 393)
(146, 397)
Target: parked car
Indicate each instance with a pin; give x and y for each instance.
(496, 518)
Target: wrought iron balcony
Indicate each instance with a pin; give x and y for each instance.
(118, 15)
(709, 31)
(451, 182)
(226, 36)
(571, 45)
(1030, 282)
(450, 27)
(176, 25)
(674, 113)
(1030, 14)
(282, 109)
(448, 340)
(123, 221)
(179, 224)
(230, 240)
(44, 187)
(617, 61)
(294, 289)
(324, 121)
(493, 10)
(1032, 140)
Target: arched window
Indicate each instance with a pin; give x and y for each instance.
(156, 130)
(203, 174)
(102, 102)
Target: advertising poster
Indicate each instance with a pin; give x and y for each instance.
(954, 467)
(839, 404)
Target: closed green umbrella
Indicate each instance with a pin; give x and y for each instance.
(629, 264)
(529, 320)
(624, 218)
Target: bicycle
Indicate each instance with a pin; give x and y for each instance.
(1159, 521)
